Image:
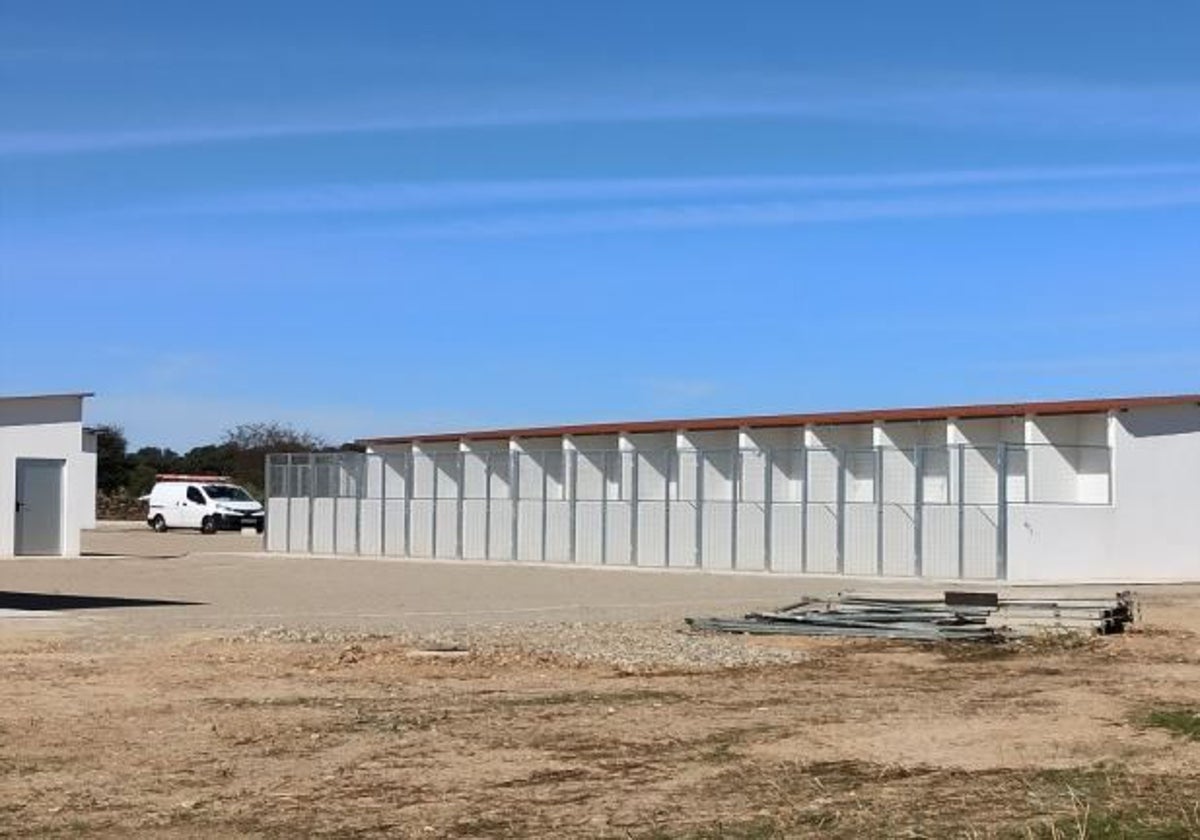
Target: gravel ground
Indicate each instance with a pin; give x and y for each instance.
(628, 647)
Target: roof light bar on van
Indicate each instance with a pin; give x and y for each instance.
(189, 477)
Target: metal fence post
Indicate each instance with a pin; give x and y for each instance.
(433, 511)
(918, 510)
(358, 501)
(604, 507)
(266, 533)
(1002, 511)
(335, 491)
(459, 523)
(879, 510)
(840, 496)
(383, 471)
(545, 502)
(572, 460)
(410, 471)
(312, 500)
(514, 495)
(699, 538)
(804, 509)
(633, 508)
(962, 511)
(768, 501)
(667, 510)
(487, 506)
(287, 490)
(735, 490)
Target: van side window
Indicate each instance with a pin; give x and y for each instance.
(194, 495)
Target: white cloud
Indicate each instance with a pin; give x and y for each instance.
(785, 213)
(996, 103)
(418, 195)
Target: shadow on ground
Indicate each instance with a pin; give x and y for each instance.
(37, 601)
(138, 556)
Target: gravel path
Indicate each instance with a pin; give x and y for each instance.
(625, 646)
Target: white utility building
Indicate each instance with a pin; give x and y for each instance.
(1079, 490)
(47, 474)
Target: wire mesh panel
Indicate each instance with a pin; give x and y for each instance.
(897, 516)
(937, 516)
(1016, 469)
(475, 478)
(654, 471)
(979, 542)
(717, 470)
(500, 508)
(978, 474)
(619, 521)
(684, 510)
(980, 478)
(322, 508)
(298, 530)
(752, 505)
(345, 530)
(935, 511)
(277, 502)
(860, 545)
(558, 531)
(933, 466)
(395, 491)
(939, 541)
(370, 507)
(821, 511)
(543, 526)
(591, 493)
(785, 482)
(446, 523)
(422, 518)
(531, 481)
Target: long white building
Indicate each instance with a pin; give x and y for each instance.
(47, 474)
(1097, 490)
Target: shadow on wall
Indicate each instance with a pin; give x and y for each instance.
(1171, 421)
(39, 601)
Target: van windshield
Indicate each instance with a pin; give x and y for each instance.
(226, 493)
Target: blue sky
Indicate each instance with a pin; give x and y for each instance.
(371, 218)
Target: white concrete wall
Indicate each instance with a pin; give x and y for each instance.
(85, 488)
(1151, 532)
(47, 427)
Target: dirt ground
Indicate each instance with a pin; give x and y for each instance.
(108, 729)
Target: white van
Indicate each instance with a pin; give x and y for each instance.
(208, 502)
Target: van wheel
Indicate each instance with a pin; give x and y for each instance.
(158, 524)
(208, 525)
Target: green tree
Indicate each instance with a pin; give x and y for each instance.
(147, 463)
(112, 465)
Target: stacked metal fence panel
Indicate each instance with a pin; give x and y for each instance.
(931, 511)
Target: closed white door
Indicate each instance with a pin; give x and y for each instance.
(39, 506)
(193, 507)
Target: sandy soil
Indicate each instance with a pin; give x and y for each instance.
(108, 729)
(253, 736)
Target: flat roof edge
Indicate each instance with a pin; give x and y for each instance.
(828, 418)
(75, 394)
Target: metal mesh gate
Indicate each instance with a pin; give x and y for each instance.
(925, 511)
